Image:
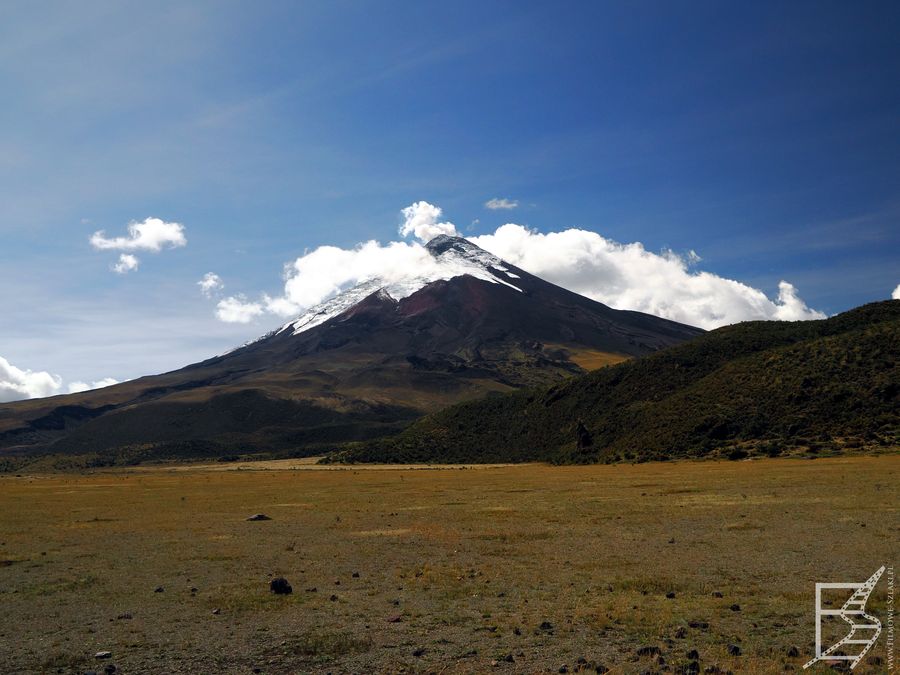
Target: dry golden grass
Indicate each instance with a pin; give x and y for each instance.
(591, 359)
(471, 560)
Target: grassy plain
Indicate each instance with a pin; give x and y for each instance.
(492, 568)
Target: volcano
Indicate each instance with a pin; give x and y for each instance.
(361, 365)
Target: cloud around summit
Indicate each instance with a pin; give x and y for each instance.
(628, 276)
(421, 219)
(621, 275)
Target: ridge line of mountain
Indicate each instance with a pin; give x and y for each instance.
(756, 388)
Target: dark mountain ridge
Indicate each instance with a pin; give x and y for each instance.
(767, 388)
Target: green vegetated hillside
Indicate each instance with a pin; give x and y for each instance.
(756, 388)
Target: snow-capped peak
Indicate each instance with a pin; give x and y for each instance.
(449, 257)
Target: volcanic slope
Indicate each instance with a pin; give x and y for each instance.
(360, 366)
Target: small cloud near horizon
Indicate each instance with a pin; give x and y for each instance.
(77, 387)
(237, 309)
(127, 263)
(210, 283)
(498, 203)
(18, 384)
(152, 235)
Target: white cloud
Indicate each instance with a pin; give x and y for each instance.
(75, 387)
(282, 306)
(210, 283)
(421, 220)
(127, 263)
(152, 234)
(627, 276)
(16, 384)
(896, 294)
(501, 204)
(236, 309)
(789, 306)
(328, 270)
(623, 276)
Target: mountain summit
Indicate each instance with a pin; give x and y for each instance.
(447, 257)
(360, 365)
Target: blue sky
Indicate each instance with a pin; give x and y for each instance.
(762, 136)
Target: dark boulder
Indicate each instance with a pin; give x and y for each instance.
(280, 586)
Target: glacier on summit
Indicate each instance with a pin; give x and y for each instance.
(450, 257)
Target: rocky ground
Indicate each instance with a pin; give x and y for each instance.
(676, 567)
